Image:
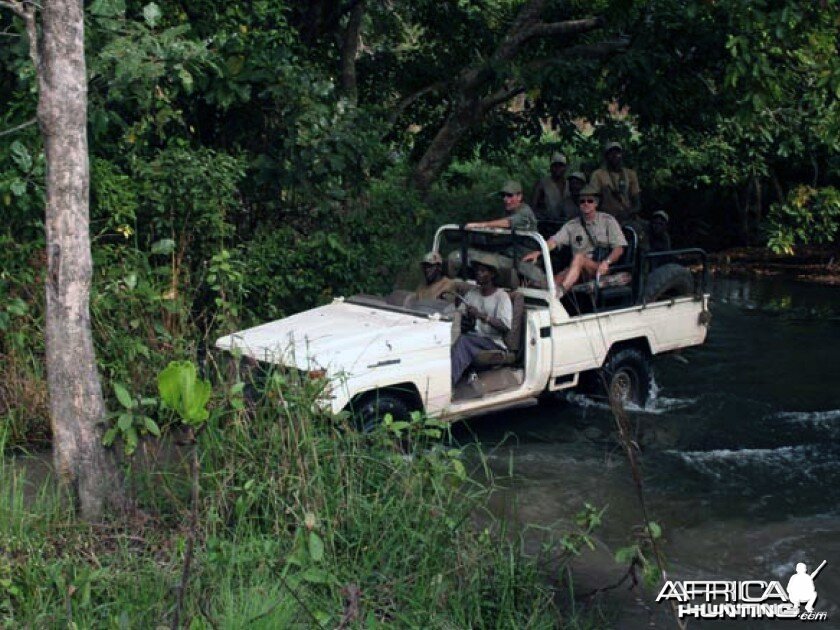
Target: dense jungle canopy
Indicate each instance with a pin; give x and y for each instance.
(266, 155)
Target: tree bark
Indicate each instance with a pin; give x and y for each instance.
(476, 91)
(349, 52)
(77, 407)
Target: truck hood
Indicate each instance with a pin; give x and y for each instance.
(341, 338)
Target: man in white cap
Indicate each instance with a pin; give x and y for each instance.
(550, 192)
(618, 185)
(520, 216)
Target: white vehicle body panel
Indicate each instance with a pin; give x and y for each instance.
(365, 348)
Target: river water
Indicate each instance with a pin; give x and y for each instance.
(742, 465)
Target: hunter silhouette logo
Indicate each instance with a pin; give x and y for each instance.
(800, 588)
(747, 599)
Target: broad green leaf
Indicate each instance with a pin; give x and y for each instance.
(123, 396)
(316, 576)
(163, 246)
(655, 529)
(316, 547)
(151, 426)
(110, 436)
(18, 188)
(21, 156)
(107, 8)
(182, 391)
(151, 13)
(125, 422)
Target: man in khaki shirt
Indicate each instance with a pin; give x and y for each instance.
(438, 286)
(592, 230)
(619, 186)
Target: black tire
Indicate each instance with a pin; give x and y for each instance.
(668, 281)
(627, 374)
(371, 410)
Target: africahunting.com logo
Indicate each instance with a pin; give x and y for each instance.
(747, 599)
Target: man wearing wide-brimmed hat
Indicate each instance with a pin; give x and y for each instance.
(488, 309)
(595, 238)
(520, 216)
(550, 192)
(618, 185)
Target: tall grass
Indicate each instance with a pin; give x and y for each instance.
(303, 523)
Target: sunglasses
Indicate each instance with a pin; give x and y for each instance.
(506, 195)
(588, 200)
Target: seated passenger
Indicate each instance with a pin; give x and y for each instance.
(520, 216)
(437, 286)
(589, 236)
(660, 239)
(489, 310)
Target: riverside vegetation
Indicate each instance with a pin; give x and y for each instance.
(235, 178)
(300, 521)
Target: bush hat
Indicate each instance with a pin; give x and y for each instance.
(511, 187)
(486, 259)
(590, 191)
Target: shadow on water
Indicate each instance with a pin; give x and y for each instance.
(744, 467)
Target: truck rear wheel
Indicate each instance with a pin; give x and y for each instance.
(626, 375)
(372, 409)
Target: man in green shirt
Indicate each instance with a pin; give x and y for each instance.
(618, 185)
(520, 216)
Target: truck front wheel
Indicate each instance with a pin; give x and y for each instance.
(627, 375)
(372, 409)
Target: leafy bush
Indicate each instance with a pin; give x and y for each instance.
(809, 216)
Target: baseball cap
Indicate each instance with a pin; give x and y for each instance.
(612, 145)
(558, 158)
(661, 213)
(577, 175)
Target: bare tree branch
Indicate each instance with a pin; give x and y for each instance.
(558, 29)
(409, 100)
(25, 10)
(17, 128)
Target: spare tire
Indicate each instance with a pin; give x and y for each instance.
(668, 281)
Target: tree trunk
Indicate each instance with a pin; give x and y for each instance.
(349, 52)
(76, 404)
(446, 139)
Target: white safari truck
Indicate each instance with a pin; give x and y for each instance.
(392, 354)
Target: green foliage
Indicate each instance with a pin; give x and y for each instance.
(131, 422)
(182, 391)
(808, 216)
(300, 513)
